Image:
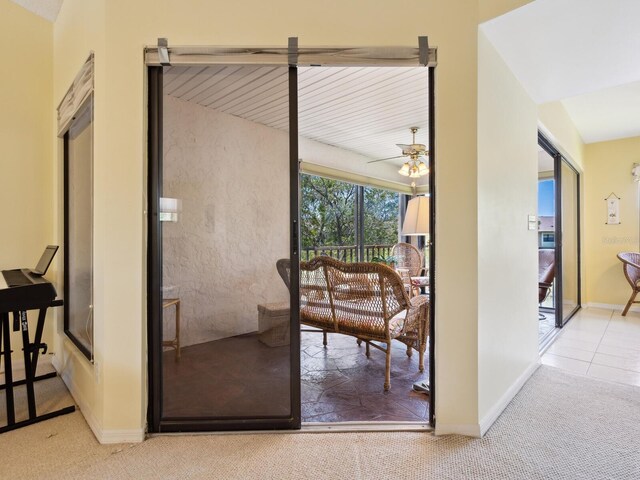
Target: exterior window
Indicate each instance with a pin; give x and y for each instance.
(347, 221)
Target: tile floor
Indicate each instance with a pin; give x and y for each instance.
(240, 376)
(599, 343)
(546, 326)
(339, 383)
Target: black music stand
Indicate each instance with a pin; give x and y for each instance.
(31, 352)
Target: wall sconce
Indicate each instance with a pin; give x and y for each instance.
(635, 171)
(169, 208)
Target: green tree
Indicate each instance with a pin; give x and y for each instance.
(380, 216)
(328, 214)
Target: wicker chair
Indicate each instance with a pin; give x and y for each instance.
(365, 300)
(408, 259)
(631, 267)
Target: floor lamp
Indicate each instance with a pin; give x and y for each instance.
(416, 222)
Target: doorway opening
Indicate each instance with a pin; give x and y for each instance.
(355, 129)
(235, 152)
(558, 241)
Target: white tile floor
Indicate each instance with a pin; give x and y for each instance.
(599, 343)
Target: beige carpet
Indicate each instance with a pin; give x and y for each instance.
(560, 426)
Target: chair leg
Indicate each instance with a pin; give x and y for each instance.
(630, 302)
(367, 351)
(324, 338)
(387, 373)
(409, 351)
(421, 359)
(359, 341)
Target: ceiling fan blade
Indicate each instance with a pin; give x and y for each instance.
(419, 147)
(403, 146)
(383, 159)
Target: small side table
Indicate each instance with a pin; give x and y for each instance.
(175, 342)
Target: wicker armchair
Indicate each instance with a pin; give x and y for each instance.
(631, 267)
(364, 300)
(409, 260)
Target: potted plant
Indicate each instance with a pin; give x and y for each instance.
(389, 261)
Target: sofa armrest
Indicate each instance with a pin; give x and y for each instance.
(416, 321)
(418, 301)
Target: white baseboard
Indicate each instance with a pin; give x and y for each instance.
(512, 391)
(134, 435)
(468, 430)
(479, 429)
(612, 306)
(103, 436)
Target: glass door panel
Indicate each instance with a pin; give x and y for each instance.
(569, 193)
(224, 224)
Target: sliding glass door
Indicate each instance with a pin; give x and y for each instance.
(224, 226)
(559, 230)
(569, 225)
(223, 206)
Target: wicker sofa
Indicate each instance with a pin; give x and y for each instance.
(364, 300)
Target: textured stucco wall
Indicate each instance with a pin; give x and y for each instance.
(232, 177)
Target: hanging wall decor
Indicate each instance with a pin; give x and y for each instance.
(613, 209)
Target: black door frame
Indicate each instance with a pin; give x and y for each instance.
(156, 423)
(558, 161)
(432, 246)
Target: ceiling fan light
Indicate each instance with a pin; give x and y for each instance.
(404, 170)
(422, 168)
(414, 172)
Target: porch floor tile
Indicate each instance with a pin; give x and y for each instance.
(340, 384)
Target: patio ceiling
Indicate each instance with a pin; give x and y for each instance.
(366, 110)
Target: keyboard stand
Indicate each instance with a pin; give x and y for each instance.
(31, 351)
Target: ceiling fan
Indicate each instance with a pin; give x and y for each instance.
(415, 166)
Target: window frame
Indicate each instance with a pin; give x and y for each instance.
(87, 352)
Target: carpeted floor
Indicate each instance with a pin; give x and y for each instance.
(560, 426)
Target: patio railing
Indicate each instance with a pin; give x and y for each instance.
(346, 253)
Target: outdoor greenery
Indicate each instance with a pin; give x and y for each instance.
(380, 216)
(328, 214)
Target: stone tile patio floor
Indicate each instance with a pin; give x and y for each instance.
(340, 384)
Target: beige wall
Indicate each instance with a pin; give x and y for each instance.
(120, 165)
(608, 169)
(80, 29)
(114, 389)
(26, 128)
(507, 264)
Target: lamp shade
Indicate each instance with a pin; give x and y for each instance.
(404, 170)
(169, 208)
(169, 205)
(416, 220)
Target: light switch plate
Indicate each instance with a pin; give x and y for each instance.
(533, 224)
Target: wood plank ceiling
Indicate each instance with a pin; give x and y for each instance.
(366, 110)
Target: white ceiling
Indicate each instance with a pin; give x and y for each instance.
(45, 8)
(366, 110)
(585, 53)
